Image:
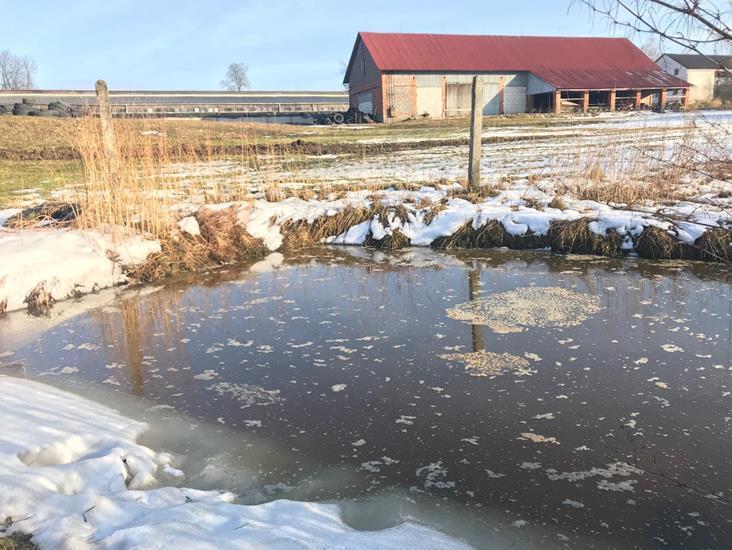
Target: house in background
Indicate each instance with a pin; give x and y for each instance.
(395, 76)
(706, 74)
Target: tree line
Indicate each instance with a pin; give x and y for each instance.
(16, 72)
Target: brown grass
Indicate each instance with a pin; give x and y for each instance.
(16, 541)
(300, 234)
(715, 245)
(575, 237)
(57, 213)
(628, 192)
(656, 244)
(490, 235)
(395, 241)
(222, 241)
(558, 203)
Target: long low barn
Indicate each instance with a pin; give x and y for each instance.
(395, 76)
(190, 103)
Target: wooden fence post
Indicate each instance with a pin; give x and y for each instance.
(476, 133)
(105, 117)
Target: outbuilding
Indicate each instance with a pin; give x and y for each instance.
(710, 75)
(396, 76)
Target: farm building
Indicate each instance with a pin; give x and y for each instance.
(708, 74)
(395, 76)
(284, 107)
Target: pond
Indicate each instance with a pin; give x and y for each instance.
(502, 397)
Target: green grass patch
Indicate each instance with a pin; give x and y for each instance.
(17, 176)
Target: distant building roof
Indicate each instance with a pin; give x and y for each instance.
(563, 62)
(698, 61)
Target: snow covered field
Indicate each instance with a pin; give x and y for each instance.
(73, 475)
(615, 144)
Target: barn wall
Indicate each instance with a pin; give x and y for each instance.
(400, 91)
(448, 95)
(364, 81)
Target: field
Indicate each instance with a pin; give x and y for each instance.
(38, 155)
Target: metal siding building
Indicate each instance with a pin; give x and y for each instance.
(394, 76)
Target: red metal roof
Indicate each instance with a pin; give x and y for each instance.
(563, 62)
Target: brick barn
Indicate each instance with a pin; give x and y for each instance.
(395, 76)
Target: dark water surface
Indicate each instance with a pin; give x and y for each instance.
(323, 378)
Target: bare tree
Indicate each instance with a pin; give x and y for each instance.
(236, 78)
(16, 72)
(651, 48)
(695, 25)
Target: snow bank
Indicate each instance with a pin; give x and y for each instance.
(263, 219)
(72, 474)
(67, 262)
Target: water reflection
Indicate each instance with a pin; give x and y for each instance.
(474, 294)
(330, 367)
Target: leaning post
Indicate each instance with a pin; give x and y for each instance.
(476, 131)
(105, 117)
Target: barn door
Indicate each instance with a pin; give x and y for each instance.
(458, 99)
(429, 95)
(365, 103)
(514, 99)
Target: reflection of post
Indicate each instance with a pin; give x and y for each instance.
(474, 292)
(134, 343)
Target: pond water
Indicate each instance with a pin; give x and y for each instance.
(503, 397)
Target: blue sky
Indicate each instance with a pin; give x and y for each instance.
(288, 45)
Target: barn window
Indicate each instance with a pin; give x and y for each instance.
(363, 65)
(676, 72)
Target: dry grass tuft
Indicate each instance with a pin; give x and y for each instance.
(656, 244)
(387, 212)
(628, 193)
(57, 213)
(432, 210)
(715, 245)
(576, 237)
(227, 241)
(558, 203)
(39, 300)
(490, 235)
(532, 202)
(595, 173)
(462, 238)
(222, 241)
(395, 241)
(484, 192)
(16, 541)
(299, 234)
